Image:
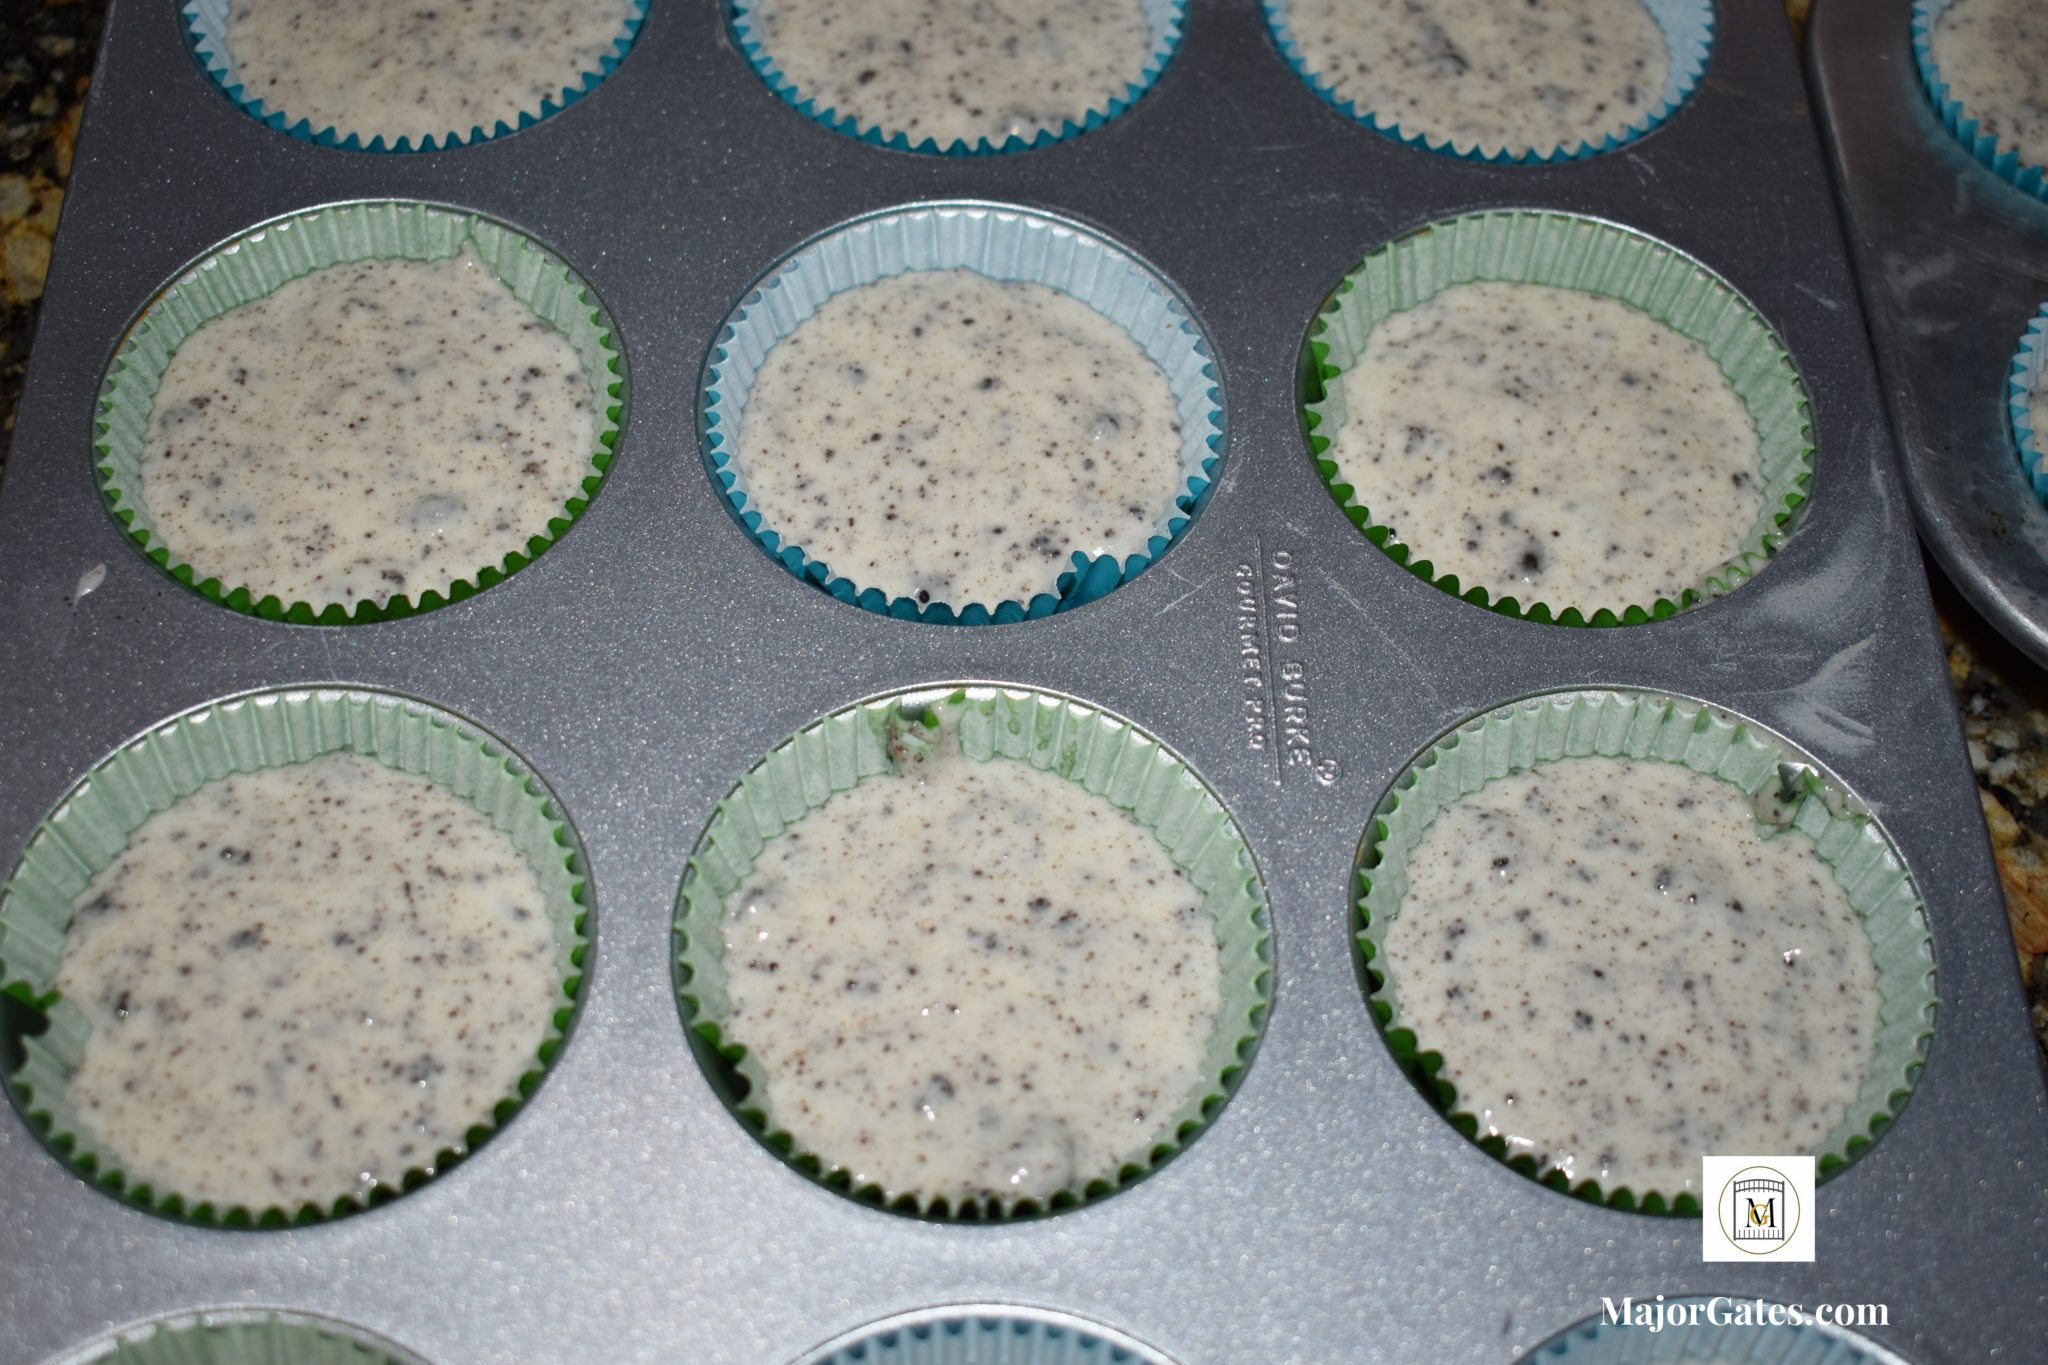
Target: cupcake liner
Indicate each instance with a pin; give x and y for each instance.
(241, 1337)
(206, 26)
(2021, 386)
(1597, 1342)
(1162, 17)
(1789, 793)
(1009, 245)
(991, 1335)
(1099, 753)
(266, 258)
(1962, 124)
(272, 729)
(1595, 258)
(1688, 27)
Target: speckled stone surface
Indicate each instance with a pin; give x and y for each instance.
(2003, 696)
(47, 63)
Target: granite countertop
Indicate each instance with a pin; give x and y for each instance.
(43, 78)
(2002, 695)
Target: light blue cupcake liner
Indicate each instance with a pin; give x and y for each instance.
(1688, 27)
(991, 1335)
(206, 23)
(2024, 383)
(1598, 1342)
(2004, 161)
(1003, 244)
(1162, 17)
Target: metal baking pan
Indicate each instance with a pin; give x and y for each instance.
(1953, 263)
(1330, 1215)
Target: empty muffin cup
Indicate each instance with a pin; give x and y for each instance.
(1963, 50)
(1726, 910)
(947, 80)
(432, 85)
(995, 1061)
(241, 1336)
(1041, 528)
(437, 770)
(1407, 79)
(292, 558)
(1625, 279)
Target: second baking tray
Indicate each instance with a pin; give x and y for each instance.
(1330, 1215)
(1953, 263)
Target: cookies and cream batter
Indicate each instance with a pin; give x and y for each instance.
(957, 70)
(946, 437)
(971, 981)
(1551, 446)
(1991, 53)
(1622, 975)
(370, 430)
(416, 70)
(1533, 75)
(303, 982)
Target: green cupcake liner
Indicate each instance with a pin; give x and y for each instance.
(265, 258)
(272, 729)
(1789, 794)
(1595, 258)
(1098, 752)
(240, 1337)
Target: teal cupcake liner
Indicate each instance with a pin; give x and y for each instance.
(242, 1336)
(1593, 257)
(206, 26)
(263, 260)
(1101, 754)
(2022, 385)
(1691, 1336)
(1961, 123)
(1002, 244)
(91, 826)
(1688, 27)
(1792, 799)
(985, 1335)
(1162, 17)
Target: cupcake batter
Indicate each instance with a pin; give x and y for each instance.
(1551, 446)
(372, 429)
(957, 70)
(947, 437)
(1531, 76)
(1990, 54)
(416, 71)
(1622, 976)
(303, 982)
(973, 981)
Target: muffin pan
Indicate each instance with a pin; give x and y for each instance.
(1329, 1213)
(1953, 262)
